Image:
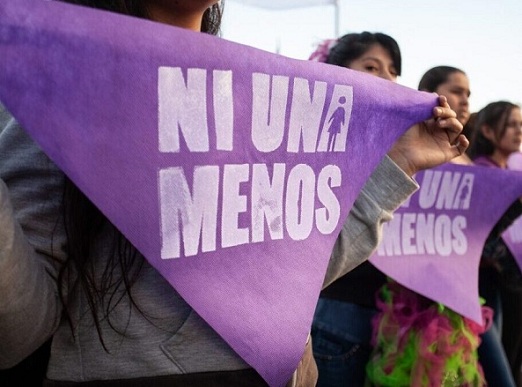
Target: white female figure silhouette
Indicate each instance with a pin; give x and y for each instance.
(336, 122)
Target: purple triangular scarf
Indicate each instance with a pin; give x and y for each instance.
(231, 169)
(513, 238)
(434, 243)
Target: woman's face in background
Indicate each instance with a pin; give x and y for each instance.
(456, 90)
(512, 138)
(375, 61)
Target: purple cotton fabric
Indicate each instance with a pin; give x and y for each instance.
(513, 238)
(434, 243)
(172, 133)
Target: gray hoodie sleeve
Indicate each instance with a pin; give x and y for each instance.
(386, 189)
(31, 241)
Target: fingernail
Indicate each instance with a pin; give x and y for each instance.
(438, 110)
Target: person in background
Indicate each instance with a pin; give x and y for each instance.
(498, 134)
(453, 83)
(387, 366)
(112, 317)
(342, 328)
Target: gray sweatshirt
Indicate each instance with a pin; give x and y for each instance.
(168, 337)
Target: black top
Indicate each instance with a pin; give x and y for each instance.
(359, 286)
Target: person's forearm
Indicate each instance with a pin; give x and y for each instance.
(386, 189)
(28, 301)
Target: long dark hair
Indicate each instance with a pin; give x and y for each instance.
(84, 222)
(351, 46)
(495, 116)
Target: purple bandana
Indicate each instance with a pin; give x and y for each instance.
(513, 238)
(231, 170)
(434, 243)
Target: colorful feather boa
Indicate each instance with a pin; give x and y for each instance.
(421, 343)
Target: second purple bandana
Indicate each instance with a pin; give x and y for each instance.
(513, 238)
(434, 243)
(231, 170)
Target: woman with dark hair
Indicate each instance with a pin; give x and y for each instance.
(112, 317)
(373, 53)
(454, 84)
(342, 328)
(497, 135)
(451, 82)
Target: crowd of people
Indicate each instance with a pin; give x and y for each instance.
(61, 259)
(342, 326)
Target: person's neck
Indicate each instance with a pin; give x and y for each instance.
(188, 20)
(499, 158)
